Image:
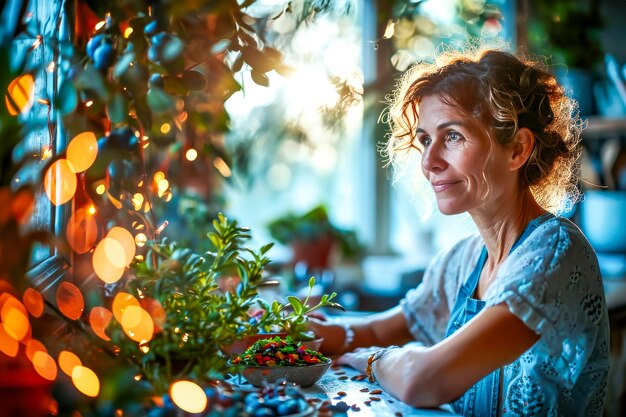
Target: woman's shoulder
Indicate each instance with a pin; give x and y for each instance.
(555, 246)
(558, 236)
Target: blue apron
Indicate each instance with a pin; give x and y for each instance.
(483, 398)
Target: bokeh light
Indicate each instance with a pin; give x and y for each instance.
(126, 240)
(191, 154)
(32, 347)
(20, 92)
(141, 239)
(15, 318)
(99, 319)
(82, 230)
(158, 176)
(137, 201)
(86, 381)
(33, 301)
(70, 300)
(67, 362)
(121, 302)
(82, 151)
(114, 252)
(22, 205)
(8, 345)
(156, 311)
(188, 396)
(45, 365)
(109, 260)
(222, 167)
(131, 317)
(60, 182)
(137, 324)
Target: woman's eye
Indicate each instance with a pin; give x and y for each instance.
(425, 140)
(453, 136)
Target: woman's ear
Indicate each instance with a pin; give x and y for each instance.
(523, 145)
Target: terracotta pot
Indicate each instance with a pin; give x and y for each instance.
(315, 253)
(314, 344)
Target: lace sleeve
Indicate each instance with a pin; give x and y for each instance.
(427, 307)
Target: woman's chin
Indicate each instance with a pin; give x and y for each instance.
(449, 210)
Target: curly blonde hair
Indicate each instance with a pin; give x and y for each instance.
(506, 93)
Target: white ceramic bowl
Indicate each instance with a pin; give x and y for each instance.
(305, 376)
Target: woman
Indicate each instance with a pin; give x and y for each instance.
(511, 321)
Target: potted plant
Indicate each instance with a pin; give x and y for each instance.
(569, 31)
(292, 318)
(312, 237)
(193, 319)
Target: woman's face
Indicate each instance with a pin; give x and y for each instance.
(465, 168)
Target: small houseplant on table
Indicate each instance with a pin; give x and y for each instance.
(193, 319)
(293, 317)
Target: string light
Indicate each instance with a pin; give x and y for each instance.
(46, 153)
(191, 154)
(162, 227)
(222, 167)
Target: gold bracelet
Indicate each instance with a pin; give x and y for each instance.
(368, 368)
(373, 358)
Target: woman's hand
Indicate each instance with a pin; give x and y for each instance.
(357, 359)
(332, 333)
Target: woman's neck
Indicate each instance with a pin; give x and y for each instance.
(501, 225)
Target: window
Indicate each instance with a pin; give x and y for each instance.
(36, 47)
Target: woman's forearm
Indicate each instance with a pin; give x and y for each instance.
(380, 329)
(410, 376)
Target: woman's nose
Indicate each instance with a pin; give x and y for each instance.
(432, 160)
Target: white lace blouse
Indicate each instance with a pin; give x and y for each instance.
(552, 283)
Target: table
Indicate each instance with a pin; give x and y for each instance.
(341, 380)
(341, 383)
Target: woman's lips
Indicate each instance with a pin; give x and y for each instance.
(441, 186)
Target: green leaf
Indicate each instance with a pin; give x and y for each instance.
(296, 304)
(159, 101)
(67, 100)
(117, 109)
(123, 64)
(229, 85)
(194, 80)
(337, 306)
(273, 55)
(311, 282)
(91, 79)
(266, 248)
(175, 85)
(285, 70)
(257, 60)
(260, 78)
(237, 63)
(143, 113)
